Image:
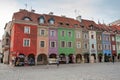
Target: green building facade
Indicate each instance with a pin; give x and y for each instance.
(66, 44)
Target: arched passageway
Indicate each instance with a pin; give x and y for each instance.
(78, 58)
(20, 60)
(62, 59)
(86, 58)
(71, 58)
(100, 55)
(31, 59)
(52, 58)
(42, 59)
(93, 58)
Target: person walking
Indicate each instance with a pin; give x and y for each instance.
(113, 59)
(57, 62)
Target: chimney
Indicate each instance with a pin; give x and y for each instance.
(32, 10)
(79, 18)
(51, 13)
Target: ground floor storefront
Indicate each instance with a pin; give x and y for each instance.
(21, 59)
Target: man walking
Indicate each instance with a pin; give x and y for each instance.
(57, 62)
(113, 59)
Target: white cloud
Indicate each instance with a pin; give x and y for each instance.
(7, 8)
(88, 9)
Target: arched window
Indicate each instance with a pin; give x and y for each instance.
(51, 21)
(27, 19)
(41, 20)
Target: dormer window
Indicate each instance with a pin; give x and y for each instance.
(67, 24)
(41, 20)
(91, 27)
(26, 19)
(75, 25)
(61, 23)
(51, 21)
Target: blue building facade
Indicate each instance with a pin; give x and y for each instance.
(106, 46)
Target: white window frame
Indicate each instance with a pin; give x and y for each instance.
(27, 19)
(91, 36)
(62, 33)
(40, 44)
(41, 31)
(68, 44)
(113, 47)
(85, 47)
(78, 45)
(52, 35)
(70, 34)
(24, 45)
(51, 21)
(78, 35)
(41, 21)
(61, 44)
(51, 44)
(93, 46)
(113, 38)
(27, 29)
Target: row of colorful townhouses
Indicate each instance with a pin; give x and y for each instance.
(45, 38)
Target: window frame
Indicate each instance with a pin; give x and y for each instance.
(68, 44)
(51, 34)
(24, 44)
(41, 44)
(51, 44)
(61, 44)
(41, 32)
(27, 29)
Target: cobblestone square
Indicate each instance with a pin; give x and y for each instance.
(90, 71)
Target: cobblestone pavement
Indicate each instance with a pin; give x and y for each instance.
(88, 71)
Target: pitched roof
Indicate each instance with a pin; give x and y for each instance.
(66, 22)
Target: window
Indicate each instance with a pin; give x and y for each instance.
(52, 33)
(99, 37)
(42, 44)
(26, 42)
(78, 35)
(51, 21)
(62, 43)
(69, 34)
(42, 32)
(7, 42)
(41, 20)
(100, 46)
(69, 44)
(63, 33)
(85, 36)
(109, 47)
(105, 46)
(93, 46)
(61, 23)
(119, 47)
(78, 45)
(108, 38)
(26, 19)
(67, 24)
(113, 38)
(113, 46)
(92, 36)
(53, 44)
(27, 30)
(85, 45)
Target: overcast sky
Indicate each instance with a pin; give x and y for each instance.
(103, 10)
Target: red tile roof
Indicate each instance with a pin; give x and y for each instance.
(58, 19)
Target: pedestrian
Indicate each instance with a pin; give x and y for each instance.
(57, 62)
(113, 59)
